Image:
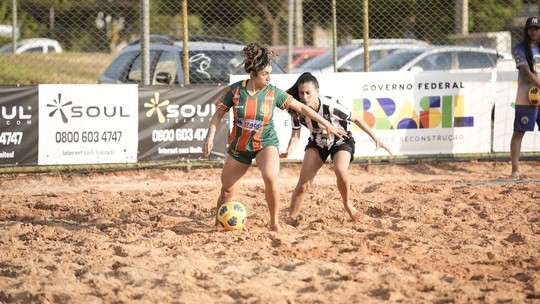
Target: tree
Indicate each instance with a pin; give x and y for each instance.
(29, 27)
(274, 12)
(492, 15)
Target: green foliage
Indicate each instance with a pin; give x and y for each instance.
(431, 20)
(76, 29)
(250, 30)
(492, 15)
(29, 27)
(173, 25)
(60, 5)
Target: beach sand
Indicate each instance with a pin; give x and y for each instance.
(433, 232)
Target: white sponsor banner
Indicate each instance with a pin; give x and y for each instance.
(414, 113)
(503, 127)
(87, 124)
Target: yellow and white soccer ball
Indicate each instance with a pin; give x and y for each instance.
(534, 96)
(232, 215)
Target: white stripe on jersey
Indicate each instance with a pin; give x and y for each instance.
(332, 111)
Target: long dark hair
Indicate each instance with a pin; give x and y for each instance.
(528, 51)
(304, 78)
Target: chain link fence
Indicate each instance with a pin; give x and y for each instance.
(90, 33)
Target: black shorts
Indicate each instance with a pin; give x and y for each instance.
(348, 144)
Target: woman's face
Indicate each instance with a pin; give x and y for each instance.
(534, 33)
(309, 94)
(262, 78)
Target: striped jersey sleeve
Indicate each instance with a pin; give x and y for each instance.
(226, 100)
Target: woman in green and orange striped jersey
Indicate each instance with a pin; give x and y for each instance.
(253, 135)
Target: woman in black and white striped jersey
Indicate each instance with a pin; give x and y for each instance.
(320, 145)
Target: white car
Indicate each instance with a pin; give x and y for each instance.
(350, 58)
(440, 58)
(35, 45)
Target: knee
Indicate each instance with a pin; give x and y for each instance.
(342, 174)
(517, 135)
(270, 178)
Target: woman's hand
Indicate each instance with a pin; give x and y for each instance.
(379, 144)
(337, 131)
(207, 147)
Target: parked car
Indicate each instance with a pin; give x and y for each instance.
(34, 45)
(211, 60)
(350, 57)
(6, 30)
(441, 58)
(299, 55)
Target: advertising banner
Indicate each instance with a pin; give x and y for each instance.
(413, 113)
(87, 124)
(18, 126)
(174, 122)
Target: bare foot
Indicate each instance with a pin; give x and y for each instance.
(275, 227)
(293, 213)
(515, 175)
(294, 220)
(294, 209)
(353, 213)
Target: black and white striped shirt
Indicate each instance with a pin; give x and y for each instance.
(331, 110)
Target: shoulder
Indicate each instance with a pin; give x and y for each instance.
(337, 108)
(276, 90)
(520, 47)
(238, 84)
(229, 91)
(234, 88)
(273, 87)
(330, 101)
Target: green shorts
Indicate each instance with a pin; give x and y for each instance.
(245, 157)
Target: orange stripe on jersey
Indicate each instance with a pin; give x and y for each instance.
(266, 107)
(287, 103)
(235, 100)
(249, 113)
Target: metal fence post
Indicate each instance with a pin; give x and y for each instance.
(290, 37)
(145, 41)
(90, 34)
(14, 28)
(366, 35)
(462, 17)
(185, 46)
(334, 35)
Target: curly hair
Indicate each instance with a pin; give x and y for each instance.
(258, 56)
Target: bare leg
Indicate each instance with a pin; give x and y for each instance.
(268, 163)
(232, 171)
(515, 151)
(341, 162)
(310, 166)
